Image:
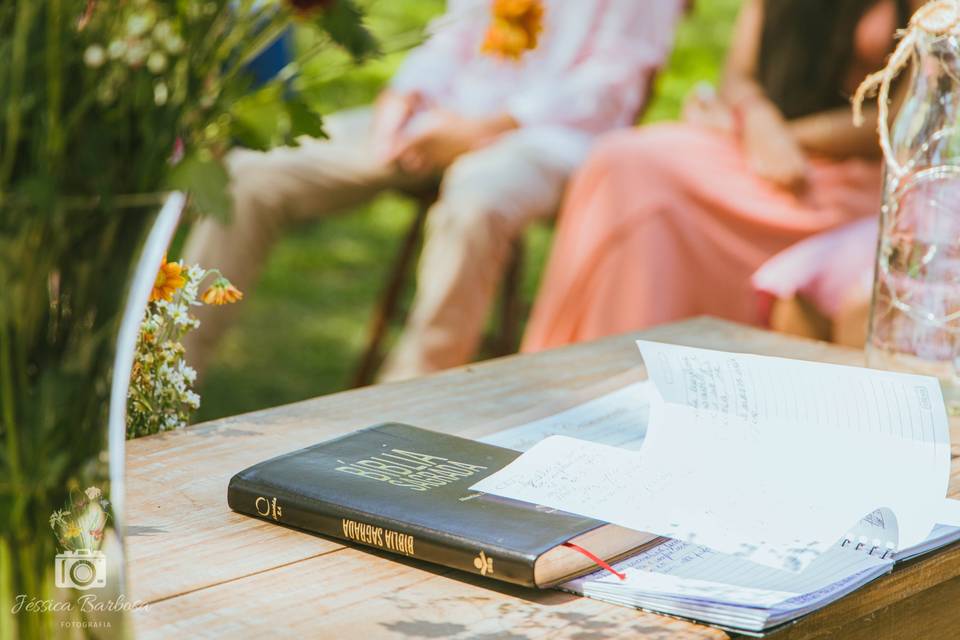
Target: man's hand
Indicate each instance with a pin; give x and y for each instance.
(451, 136)
(772, 151)
(391, 113)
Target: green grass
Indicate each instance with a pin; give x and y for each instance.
(303, 327)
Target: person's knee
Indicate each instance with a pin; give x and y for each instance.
(244, 168)
(469, 198)
(254, 204)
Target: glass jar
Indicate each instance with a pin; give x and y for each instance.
(915, 314)
(76, 276)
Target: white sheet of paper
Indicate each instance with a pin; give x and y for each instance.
(950, 513)
(618, 419)
(765, 458)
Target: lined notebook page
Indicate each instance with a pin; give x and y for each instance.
(774, 391)
(876, 438)
(735, 458)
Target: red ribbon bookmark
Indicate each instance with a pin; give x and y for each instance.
(596, 559)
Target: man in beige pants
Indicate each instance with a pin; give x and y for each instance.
(503, 135)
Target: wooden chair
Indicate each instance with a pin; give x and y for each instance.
(799, 317)
(504, 340)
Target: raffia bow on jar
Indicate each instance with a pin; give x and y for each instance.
(938, 19)
(915, 312)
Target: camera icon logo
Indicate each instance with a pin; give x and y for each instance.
(82, 569)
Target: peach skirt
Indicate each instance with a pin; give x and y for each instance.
(667, 221)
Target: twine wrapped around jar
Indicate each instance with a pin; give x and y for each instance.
(938, 18)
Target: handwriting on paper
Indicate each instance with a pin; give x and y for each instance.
(768, 459)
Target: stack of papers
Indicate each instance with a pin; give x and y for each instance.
(691, 581)
(691, 446)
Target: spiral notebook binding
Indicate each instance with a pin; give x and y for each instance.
(872, 547)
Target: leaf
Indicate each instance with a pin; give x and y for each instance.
(343, 21)
(304, 120)
(249, 137)
(207, 182)
(258, 118)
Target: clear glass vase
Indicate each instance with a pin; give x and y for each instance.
(915, 314)
(75, 280)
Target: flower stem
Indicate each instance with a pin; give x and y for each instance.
(8, 418)
(25, 572)
(21, 31)
(54, 84)
(6, 590)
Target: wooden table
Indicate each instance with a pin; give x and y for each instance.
(208, 572)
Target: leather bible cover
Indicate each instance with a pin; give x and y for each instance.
(407, 490)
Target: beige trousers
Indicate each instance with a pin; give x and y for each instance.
(486, 200)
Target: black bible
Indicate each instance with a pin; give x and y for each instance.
(407, 491)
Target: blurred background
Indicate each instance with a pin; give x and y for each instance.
(324, 280)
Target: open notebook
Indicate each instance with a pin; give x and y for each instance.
(692, 581)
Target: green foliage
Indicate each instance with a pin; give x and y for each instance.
(96, 100)
(701, 46)
(342, 20)
(161, 395)
(302, 119)
(96, 95)
(271, 117)
(206, 180)
(63, 271)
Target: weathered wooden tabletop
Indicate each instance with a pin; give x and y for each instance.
(208, 572)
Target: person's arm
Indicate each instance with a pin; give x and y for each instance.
(832, 133)
(738, 81)
(452, 136)
(771, 149)
(423, 77)
(606, 87)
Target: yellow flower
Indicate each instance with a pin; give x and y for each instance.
(72, 530)
(169, 279)
(221, 292)
(514, 29)
(515, 9)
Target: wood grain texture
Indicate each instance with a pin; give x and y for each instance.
(206, 571)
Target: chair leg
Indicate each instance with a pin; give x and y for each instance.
(797, 317)
(386, 310)
(507, 338)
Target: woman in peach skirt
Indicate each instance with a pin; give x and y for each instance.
(669, 221)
